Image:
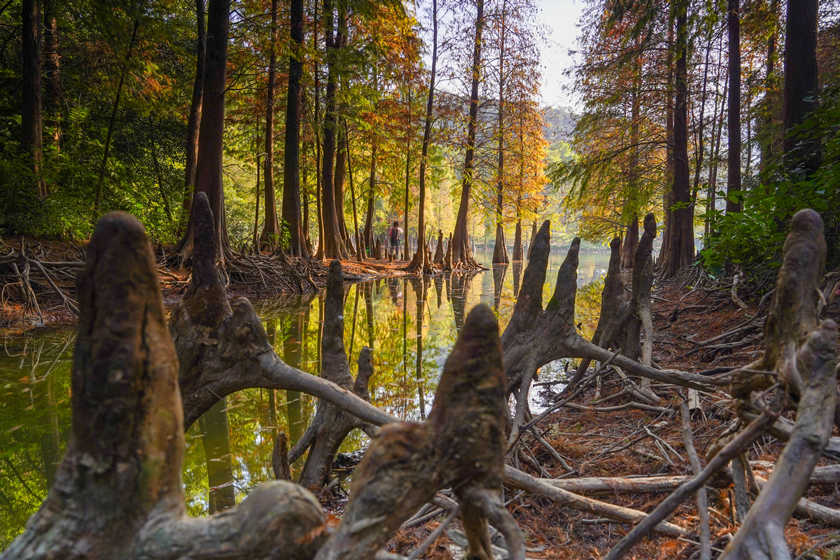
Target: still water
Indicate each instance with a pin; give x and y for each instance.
(411, 325)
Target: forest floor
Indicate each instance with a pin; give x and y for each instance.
(252, 276)
(602, 442)
(598, 436)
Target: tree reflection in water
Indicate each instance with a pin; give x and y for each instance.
(238, 438)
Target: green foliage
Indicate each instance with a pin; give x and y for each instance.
(753, 238)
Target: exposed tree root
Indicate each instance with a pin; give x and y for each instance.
(536, 336)
(222, 346)
(461, 445)
(331, 423)
(799, 359)
(118, 492)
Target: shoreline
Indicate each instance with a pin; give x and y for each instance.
(15, 319)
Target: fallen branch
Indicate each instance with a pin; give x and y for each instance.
(536, 486)
(702, 498)
(669, 504)
(810, 509)
(762, 533)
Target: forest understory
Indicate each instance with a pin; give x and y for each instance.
(601, 434)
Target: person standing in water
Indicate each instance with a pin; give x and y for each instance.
(394, 238)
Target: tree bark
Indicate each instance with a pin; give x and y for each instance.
(331, 241)
(357, 240)
(31, 116)
(630, 243)
(211, 131)
(194, 119)
(408, 135)
(681, 249)
(767, 130)
(461, 254)
(419, 263)
(271, 228)
(368, 230)
(340, 173)
(500, 249)
(291, 155)
(801, 85)
(733, 173)
(665, 248)
(118, 492)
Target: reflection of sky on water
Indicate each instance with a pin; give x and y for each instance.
(387, 314)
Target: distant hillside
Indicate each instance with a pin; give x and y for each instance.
(559, 124)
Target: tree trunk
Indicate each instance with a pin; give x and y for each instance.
(331, 241)
(419, 263)
(339, 175)
(631, 242)
(767, 132)
(408, 133)
(211, 130)
(255, 234)
(368, 233)
(665, 248)
(733, 173)
(32, 125)
(194, 119)
(801, 86)
(500, 249)
(271, 229)
(701, 121)
(357, 240)
(714, 162)
(681, 250)
(461, 253)
(53, 94)
(291, 164)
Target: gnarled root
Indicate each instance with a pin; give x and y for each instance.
(331, 423)
(803, 356)
(222, 346)
(536, 336)
(118, 492)
(461, 445)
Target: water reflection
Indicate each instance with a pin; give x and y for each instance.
(215, 435)
(410, 329)
(517, 273)
(499, 272)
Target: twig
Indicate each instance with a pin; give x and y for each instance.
(702, 498)
(669, 504)
(433, 536)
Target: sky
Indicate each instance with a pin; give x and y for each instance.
(561, 19)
